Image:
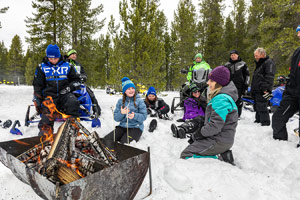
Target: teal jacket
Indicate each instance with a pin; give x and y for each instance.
(140, 113)
(221, 115)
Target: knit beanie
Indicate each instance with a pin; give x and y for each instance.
(151, 90)
(126, 83)
(220, 75)
(298, 29)
(234, 51)
(193, 87)
(52, 51)
(71, 51)
(198, 55)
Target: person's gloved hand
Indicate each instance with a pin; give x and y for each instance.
(74, 86)
(267, 96)
(82, 78)
(153, 113)
(159, 113)
(65, 91)
(37, 103)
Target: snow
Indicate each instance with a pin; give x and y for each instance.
(265, 168)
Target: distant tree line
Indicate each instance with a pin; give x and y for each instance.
(144, 47)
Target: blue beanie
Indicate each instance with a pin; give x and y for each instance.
(126, 83)
(298, 29)
(151, 90)
(52, 51)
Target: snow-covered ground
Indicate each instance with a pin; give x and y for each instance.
(266, 169)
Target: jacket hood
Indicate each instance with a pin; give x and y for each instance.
(231, 90)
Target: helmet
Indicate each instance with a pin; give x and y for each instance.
(71, 51)
(298, 29)
(281, 79)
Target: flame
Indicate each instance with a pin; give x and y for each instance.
(54, 113)
(72, 165)
(20, 142)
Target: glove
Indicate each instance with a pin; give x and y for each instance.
(74, 86)
(37, 103)
(82, 78)
(159, 113)
(152, 113)
(65, 91)
(267, 96)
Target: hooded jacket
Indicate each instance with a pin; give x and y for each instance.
(49, 79)
(263, 76)
(293, 83)
(192, 109)
(239, 73)
(140, 113)
(221, 116)
(197, 66)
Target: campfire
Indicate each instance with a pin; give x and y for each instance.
(73, 154)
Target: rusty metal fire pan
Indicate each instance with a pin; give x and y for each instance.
(120, 181)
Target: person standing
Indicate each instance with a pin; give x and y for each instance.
(290, 102)
(262, 85)
(239, 74)
(57, 79)
(198, 63)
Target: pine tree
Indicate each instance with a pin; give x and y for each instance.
(142, 49)
(15, 60)
(3, 10)
(184, 32)
(229, 34)
(212, 22)
(240, 26)
(3, 61)
(48, 25)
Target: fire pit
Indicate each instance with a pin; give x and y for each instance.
(57, 170)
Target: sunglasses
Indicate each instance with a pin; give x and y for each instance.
(196, 91)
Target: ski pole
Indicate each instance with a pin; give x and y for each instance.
(112, 109)
(127, 123)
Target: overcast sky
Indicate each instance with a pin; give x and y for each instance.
(13, 20)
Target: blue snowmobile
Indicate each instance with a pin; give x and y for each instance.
(85, 110)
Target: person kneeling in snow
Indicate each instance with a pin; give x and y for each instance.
(216, 136)
(194, 108)
(131, 112)
(156, 107)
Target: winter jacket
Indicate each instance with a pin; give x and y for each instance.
(159, 104)
(293, 83)
(192, 109)
(195, 67)
(239, 73)
(50, 79)
(263, 76)
(221, 116)
(77, 66)
(140, 113)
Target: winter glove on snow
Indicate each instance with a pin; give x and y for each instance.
(267, 96)
(7, 124)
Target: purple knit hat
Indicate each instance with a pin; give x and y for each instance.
(220, 75)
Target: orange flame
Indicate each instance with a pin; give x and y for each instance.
(48, 102)
(72, 166)
(20, 142)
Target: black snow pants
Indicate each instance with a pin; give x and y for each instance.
(289, 105)
(67, 103)
(261, 108)
(121, 134)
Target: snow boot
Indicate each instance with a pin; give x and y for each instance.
(153, 125)
(178, 132)
(7, 124)
(227, 157)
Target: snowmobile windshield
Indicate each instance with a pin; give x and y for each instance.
(201, 75)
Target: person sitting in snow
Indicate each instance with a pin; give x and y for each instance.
(71, 57)
(193, 107)
(131, 112)
(57, 79)
(216, 132)
(156, 107)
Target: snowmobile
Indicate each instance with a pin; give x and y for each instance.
(199, 77)
(85, 109)
(274, 102)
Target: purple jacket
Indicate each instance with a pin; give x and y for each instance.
(192, 109)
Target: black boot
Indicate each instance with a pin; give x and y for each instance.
(174, 130)
(227, 157)
(178, 132)
(153, 125)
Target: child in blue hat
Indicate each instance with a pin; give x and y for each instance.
(156, 107)
(131, 112)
